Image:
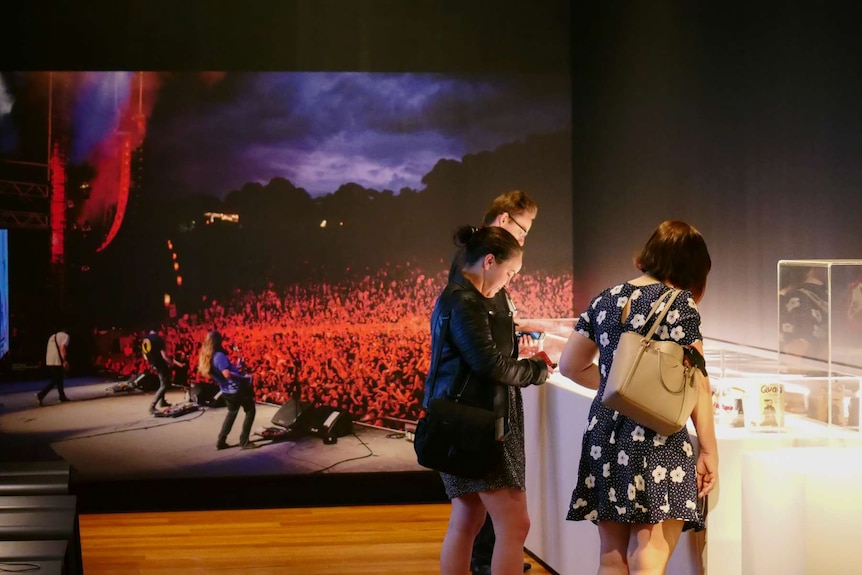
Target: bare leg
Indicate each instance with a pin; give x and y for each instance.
(508, 510)
(613, 558)
(465, 520)
(650, 546)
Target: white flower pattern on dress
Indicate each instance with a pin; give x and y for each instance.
(601, 317)
(668, 461)
(666, 506)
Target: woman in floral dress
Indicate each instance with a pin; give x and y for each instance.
(642, 488)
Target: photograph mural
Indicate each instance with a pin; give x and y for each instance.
(305, 216)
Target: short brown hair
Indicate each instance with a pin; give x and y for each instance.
(513, 203)
(676, 253)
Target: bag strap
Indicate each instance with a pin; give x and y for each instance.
(815, 299)
(438, 349)
(672, 293)
(59, 353)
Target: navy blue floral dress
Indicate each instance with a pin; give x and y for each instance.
(629, 473)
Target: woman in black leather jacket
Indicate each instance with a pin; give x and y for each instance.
(481, 339)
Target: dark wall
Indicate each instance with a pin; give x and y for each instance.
(742, 119)
(359, 35)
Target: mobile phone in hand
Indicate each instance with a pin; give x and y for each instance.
(538, 335)
(544, 356)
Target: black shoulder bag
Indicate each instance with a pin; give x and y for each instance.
(454, 437)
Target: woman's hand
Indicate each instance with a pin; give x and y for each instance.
(548, 361)
(707, 472)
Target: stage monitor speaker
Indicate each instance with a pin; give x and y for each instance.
(327, 422)
(288, 413)
(146, 381)
(205, 394)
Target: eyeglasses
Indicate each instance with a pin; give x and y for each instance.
(523, 229)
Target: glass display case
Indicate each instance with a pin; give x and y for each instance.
(811, 382)
(820, 338)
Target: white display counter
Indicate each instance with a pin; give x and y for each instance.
(555, 418)
(800, 511)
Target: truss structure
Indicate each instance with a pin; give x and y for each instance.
(23, 218)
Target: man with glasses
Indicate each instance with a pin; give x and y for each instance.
(513, 211)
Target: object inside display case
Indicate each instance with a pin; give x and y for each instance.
(831, 400)
(775, 403)
(765, 406)
(758, 405)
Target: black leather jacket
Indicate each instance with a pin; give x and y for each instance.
(478, 355)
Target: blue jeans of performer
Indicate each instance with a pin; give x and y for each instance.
(243, 398)
(55, 374)
(164, 384)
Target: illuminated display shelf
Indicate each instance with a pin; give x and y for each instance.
(804, 401)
